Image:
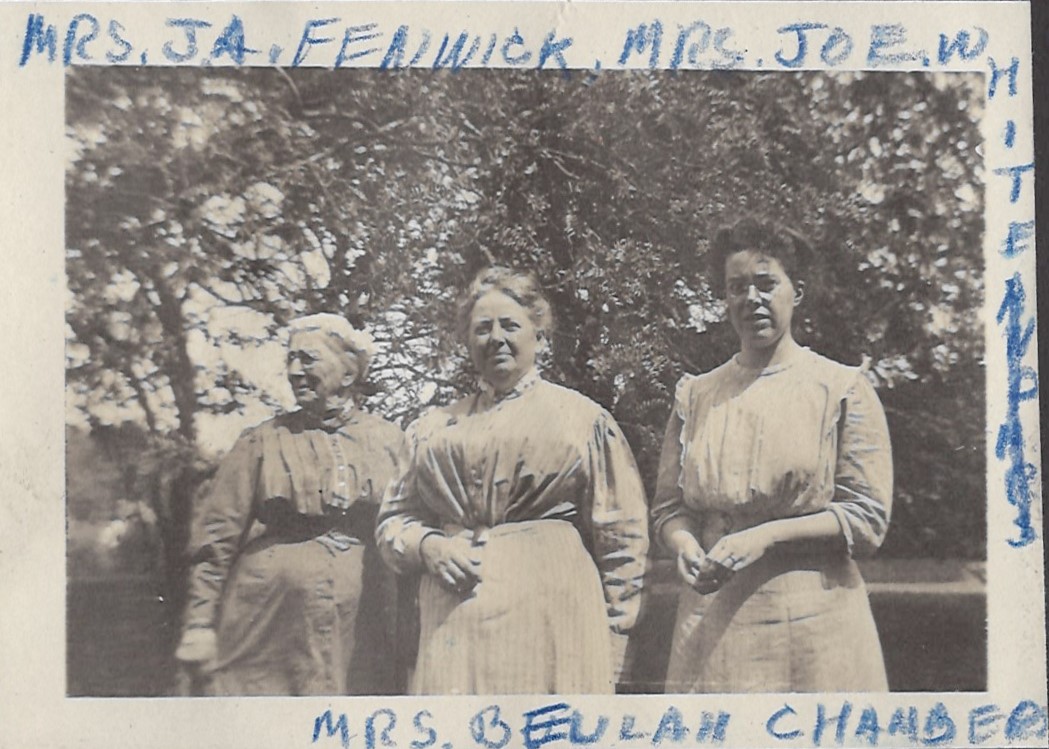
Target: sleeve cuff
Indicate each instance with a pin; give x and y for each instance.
(660, 523)
(846, 525)
(404, 545)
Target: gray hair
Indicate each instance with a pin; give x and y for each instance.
(521, 286)
(355, 342)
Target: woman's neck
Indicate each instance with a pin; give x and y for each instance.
(504, 386)
(333, 409)
(769, 356)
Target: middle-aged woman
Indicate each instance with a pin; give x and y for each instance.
(523, 505)
(776, 471)
(287, 593)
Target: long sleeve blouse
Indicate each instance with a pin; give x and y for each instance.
(540, 452)
(289, 472)
(746, 446)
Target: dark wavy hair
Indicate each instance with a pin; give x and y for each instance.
(521, 286)
(773, 240)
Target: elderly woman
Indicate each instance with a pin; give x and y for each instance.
(523, 505)
(287, 595)
(776, 471)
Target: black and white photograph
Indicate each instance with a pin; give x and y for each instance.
(415, 382)
(522, 375)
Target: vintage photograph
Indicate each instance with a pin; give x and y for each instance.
(518, 381)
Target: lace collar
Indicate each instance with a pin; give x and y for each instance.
(786, 363)
(333, 420)
(487, 397)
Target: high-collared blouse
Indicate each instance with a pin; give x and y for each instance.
(290, 472)
(541, 451)
(744, 446)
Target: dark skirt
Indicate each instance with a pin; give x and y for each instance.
(307, 617)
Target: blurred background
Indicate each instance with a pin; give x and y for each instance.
(206, 208)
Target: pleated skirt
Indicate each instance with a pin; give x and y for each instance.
(306, 617)
(535, 624)
(788, 623)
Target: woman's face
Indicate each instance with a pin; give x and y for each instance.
(760, 298)
(502, 339)
(319, 369)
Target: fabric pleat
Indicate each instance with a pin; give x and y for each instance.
(285, 565)
(744, 447)
(535, 624)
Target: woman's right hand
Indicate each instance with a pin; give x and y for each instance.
(693, 566)
(452, 560)
(689, 555)
(198, 647)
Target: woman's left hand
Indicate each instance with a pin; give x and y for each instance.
(742, 549)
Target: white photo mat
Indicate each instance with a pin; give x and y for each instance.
(37, 41)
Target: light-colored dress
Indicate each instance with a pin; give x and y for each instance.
(545, 482)
(285, 568)
(744, 447)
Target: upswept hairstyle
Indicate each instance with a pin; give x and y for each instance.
(773, 240)
(353, 341)
(521, 286)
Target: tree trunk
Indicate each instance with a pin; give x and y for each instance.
(181, 371)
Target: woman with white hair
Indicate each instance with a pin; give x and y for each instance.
(287, 594)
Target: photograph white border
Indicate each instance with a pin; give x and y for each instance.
(36, 711)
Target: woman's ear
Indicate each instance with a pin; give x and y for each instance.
(543, 348)
(544, 342)
(799, 292)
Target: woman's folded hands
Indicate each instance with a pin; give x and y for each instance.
(453, 560)
(698, 569)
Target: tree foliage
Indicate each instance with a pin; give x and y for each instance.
(205, 208)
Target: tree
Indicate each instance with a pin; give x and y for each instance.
(206, 208)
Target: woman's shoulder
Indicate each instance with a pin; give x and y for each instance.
(693, 384)
(723, 370)
(379, 425)
(251, 439)
(437, 417)
(562, 393)
(255, 432)
(576, 413)
(833, 374)
(292, 421)
(544, 395)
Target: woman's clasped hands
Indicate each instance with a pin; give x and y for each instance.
(741, 549)
(694, 566)
(707, 572)
(454, 560)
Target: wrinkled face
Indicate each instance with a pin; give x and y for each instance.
(760, 298)
(319, 369)
(502, 339)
